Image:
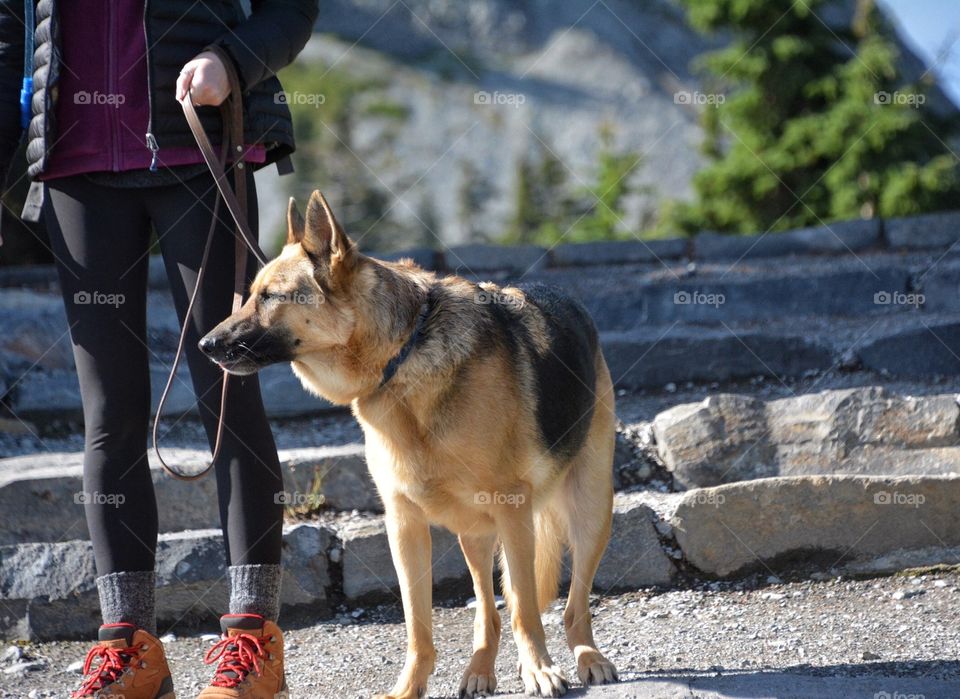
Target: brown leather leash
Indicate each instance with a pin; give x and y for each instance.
(231, 112)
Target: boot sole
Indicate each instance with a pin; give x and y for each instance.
(284, 693)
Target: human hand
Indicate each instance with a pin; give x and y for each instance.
(205, 79)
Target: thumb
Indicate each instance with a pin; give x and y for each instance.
(184, 81)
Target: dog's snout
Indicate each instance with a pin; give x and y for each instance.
(208, 344)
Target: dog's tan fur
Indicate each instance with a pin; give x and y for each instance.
(457, 421)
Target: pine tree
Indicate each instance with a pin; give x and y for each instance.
(813, 122)
(548, 211)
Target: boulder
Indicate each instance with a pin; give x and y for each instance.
(337, 473)
(728, 438)
(368, 568)
(719, 440)
(775, 524)
(634, 557)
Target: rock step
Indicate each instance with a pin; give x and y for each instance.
(624, 298)
(42, 496)
(620, 297)
(908, 346)
(41, 394)
(845, 524)
(821, 526)
(48, 590)
(727, 437)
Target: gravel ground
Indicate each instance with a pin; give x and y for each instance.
(899, 627)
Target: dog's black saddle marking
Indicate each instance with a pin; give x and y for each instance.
(566, 373)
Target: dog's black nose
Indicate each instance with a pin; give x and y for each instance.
(207, 344)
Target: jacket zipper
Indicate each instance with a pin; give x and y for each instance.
(150, 138)
(113, 86)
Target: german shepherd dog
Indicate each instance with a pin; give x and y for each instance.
(487, 410)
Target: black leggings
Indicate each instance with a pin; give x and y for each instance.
(100, 238)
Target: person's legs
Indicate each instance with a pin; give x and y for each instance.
(248, 470)
(99, 237)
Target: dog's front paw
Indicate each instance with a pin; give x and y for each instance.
(479, 679)
(543, 679)
(478, 683)
(412, 682)
(593, 668)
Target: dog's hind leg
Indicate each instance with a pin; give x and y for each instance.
(409, 535)
(479, 679)
(586, 500)
(515, 526)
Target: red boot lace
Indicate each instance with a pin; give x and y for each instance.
(113, 661)
(238, 655)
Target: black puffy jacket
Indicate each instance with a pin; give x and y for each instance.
(176, 31)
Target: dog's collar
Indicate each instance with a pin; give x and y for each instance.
(400, 357)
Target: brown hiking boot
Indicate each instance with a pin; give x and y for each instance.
(249, 660)
(131, 665)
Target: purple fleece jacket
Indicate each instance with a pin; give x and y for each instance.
(103, 106)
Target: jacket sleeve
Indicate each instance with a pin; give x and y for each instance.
(270, 38)
(11, 72)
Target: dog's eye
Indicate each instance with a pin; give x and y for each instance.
(265, 296)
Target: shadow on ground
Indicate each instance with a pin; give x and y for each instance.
(909, 680)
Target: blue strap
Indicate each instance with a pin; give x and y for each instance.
(26, 88)
(400, 357)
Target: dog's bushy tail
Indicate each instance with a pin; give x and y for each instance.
(551, 536)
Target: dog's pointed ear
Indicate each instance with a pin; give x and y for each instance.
(323, 237)
(295, 225)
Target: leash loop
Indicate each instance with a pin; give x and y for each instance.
(231, 112)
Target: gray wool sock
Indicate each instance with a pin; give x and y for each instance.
(129, 597)
(255, 589)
